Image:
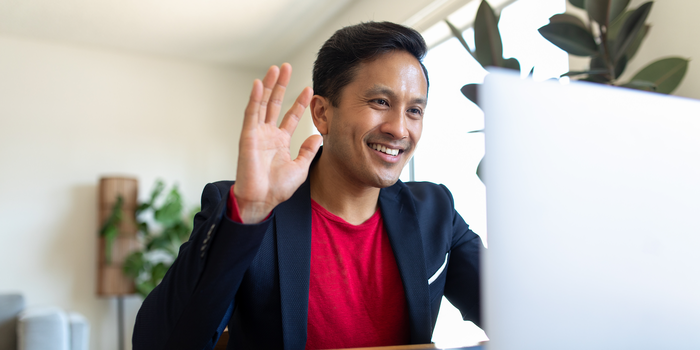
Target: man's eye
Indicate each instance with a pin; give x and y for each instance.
(416, 111)
(380, 101)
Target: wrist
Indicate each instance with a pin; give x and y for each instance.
(246, 211)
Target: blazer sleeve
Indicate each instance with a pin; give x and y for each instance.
(463, 284)
(191, 306)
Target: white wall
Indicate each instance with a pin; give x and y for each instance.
(69, 115)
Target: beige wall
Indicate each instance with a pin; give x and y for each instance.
(69, 115)
(673, 33)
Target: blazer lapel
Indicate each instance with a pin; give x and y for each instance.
(293, 232)
(403, 228)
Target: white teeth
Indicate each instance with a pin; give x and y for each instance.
(384, 149)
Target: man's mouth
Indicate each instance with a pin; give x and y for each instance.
(384, 149)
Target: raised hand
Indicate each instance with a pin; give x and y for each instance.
(266, 174)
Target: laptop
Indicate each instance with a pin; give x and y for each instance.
(593, 212)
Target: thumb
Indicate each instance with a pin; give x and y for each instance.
(308, 150)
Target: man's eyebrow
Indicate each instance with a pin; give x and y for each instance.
(383, 90)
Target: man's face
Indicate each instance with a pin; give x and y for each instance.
(374, 130)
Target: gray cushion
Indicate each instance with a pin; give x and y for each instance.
(42, 328)
(79, 329)
(10, 306)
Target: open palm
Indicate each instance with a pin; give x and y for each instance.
(266, 174)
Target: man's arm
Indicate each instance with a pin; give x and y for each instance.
(186, 309)
(195, 298)
(463, 284)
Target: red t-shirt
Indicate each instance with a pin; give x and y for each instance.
(356, 296)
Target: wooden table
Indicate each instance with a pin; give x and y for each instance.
(223, 341)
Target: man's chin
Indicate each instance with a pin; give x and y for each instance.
(386, 182)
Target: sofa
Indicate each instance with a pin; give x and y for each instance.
(40, 328)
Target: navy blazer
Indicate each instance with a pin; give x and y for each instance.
(255, 278)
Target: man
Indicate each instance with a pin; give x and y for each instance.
(328, 250)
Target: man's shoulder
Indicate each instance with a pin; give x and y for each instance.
(223, 186)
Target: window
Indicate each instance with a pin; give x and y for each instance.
(447, 153)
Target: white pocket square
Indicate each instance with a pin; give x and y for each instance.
(439, 271)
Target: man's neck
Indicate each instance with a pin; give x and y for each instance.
(331, 189)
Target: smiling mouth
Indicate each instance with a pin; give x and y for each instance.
(384, 149)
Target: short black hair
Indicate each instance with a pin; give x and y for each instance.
(339, 57)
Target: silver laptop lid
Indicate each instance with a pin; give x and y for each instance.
(593, 209)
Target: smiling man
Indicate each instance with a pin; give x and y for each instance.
(329, 250)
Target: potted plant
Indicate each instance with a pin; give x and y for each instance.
(163, 225)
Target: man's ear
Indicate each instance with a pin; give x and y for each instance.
(320, 110)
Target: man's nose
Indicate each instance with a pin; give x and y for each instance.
(395, 125)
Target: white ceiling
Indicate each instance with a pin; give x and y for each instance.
(232, 32)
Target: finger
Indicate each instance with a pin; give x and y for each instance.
(268, 83)
(275, 104)
(291, 119)
(308, 151)
(251, 110)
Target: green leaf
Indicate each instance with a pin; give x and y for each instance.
(144, 288)
(604, 11)
(470, 92)
(110, 235)
(487, 38)
(640, 85)
(587, 72)
(157, 190)
(634, 46)
(158, 272)
(159, 242)
(134, 264)
(597, 78)
(597, 63)
(142, 207)
(171, 210)
(617, 7)
(480, 169)
(614, 30)
(666, 74)
(630, 29)
(578, 3)
(511, 63)
(620, 66)
(570, 38)
(115, 217)
(567, 18)
(144, 229)
(616, 25)
(598, 10)
(459, 37)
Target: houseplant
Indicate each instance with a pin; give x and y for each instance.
(163, 225)
(611, 37)
(488, 50)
